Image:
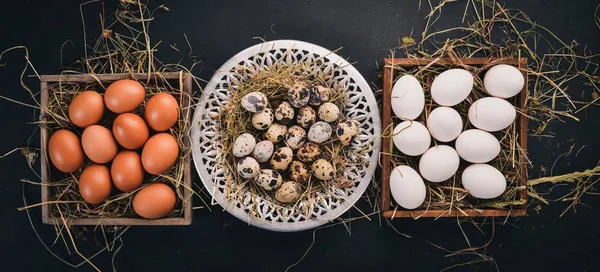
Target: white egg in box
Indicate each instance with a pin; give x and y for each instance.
(408, 99)
(492, 114)
(503, 81)
(444, 124)
(407, 187)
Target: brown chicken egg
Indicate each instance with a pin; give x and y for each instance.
(126, 171)
(154, 201)
(162, 112)
(130, 130)
(94, 183)
(124, 95)
(86, 109)
(98, 144)
(160, 153)
(64, 149)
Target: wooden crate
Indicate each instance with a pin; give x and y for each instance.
(177, 79)
(388, 76)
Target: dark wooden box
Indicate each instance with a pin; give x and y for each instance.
(184, 81)
(388, 148)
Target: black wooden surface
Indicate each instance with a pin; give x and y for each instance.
(217, 241)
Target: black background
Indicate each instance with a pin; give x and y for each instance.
(217, 241)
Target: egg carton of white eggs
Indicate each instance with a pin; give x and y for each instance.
(456, 138)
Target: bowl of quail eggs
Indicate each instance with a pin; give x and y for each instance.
(287, 139)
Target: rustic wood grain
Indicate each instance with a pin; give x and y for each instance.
(388, 76)
(184, 80)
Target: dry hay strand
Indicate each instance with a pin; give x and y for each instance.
(274, 80)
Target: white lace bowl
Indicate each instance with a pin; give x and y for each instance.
(361, 106)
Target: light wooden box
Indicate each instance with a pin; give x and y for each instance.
(388, 148)
(177, 79)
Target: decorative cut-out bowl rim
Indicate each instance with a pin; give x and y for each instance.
(202, 114)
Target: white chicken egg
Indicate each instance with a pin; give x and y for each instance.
(492, 114)
(483, 181)
(407, 187)
(243, 145)
(408, 99)
(477, 146)
(451, 87)
(263, 151)
(411, 138)
(444, 124)
(439, 163)
(503, 81)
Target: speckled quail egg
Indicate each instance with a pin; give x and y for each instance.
(243, 145)
(247, 167)
(346, 131)
(268, 179)
(299, 172)
(323, 170)
(320, 132)
(295, 137)
(308, 152)
(298, 95)
(306, 117)
(318, 95)
(329, 112)
(289, 191)
(262, 120)
(282, 158)
(276, 133)
(255, 102)
(284, 113)
(263, 151)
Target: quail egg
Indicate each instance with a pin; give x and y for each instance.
(306, 117)
(289, 191)
(284, 113)
(318, 95)
(295, 137)
(299, 172)
(282, 158)
(247, 167)
(308, 152)
(320, 132)
(346, 131)
(262, 120)
(243, 145)
(268, 179)
(255, 102)
(323, 170)
(263, 151)
(298, 95)
(276, 133)
(329, 112)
